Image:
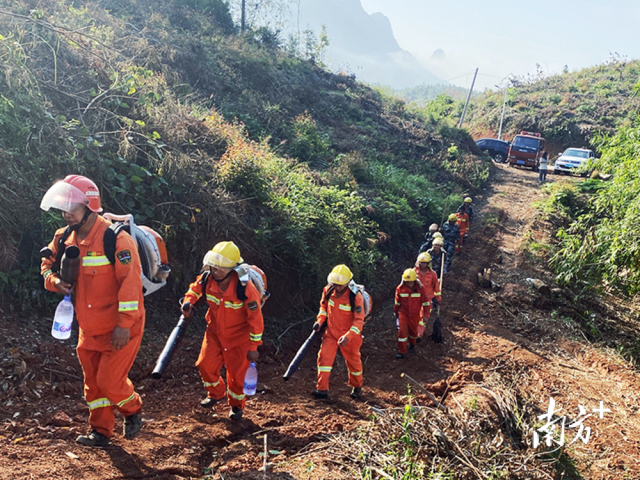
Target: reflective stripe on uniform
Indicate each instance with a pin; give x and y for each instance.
(437, 294)
(397, 303)
(415, 295)
(95, 261)
(209, 384)
(402, 339)
(425, 304)
(404, 294)
(46, 273)
(355, 330)
(127, 306)
(421, 323)
(346, 308)
(233, 305)
(197, 295)
(322, 312)
(235, 395)
(211, 298)
(356, 373)
(120, 404)
(324, 369)
(99, 403)
(331, 302)
(255, 337)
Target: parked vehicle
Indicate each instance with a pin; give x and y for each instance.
(526, 150)
(498, 149)
(572, 159)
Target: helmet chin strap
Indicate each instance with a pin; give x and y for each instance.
(224, 278)
(85, 217)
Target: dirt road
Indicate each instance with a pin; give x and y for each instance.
(514, 330)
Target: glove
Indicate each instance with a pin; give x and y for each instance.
(187, 309)
(395, 317)
(317, 326)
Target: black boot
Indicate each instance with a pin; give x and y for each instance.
(94, 439)
(132, 425)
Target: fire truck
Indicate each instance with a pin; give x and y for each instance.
(526, 150)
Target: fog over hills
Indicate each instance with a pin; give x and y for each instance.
(360, 43)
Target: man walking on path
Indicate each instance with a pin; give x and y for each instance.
(342, 310)
(429, 280)
(428, 238)
(234, 326)
(542, 168)
(467, 207)
(108, 305)
(438, 255)
(410, 302)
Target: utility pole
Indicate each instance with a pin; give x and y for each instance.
(464, 112)
(504, 104)
(242, 16)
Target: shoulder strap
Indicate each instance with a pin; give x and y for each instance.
(241, 290)
(55, 268)
(328, 294)
(109, 240)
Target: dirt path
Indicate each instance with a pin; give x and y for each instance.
(514, 330)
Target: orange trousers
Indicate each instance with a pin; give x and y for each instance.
(213, 355)
(407, 331)
(106, 379)
(351, 354)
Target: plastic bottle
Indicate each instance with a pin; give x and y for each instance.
(63, 319)
(251, 380)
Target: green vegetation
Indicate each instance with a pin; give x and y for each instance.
(600, 247)
(204, 135)
(423, 94)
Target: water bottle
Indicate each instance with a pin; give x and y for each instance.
(63, 319)
(251, 380)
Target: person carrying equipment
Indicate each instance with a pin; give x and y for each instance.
(108, 304)
(451, 234)
(234, 326)
(467, 208)
(429, 280)
(438, 256)
(342, 311)
(410, 302)
(428, 238)
(463, 226)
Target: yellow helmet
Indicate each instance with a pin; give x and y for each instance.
(437, 235)
(340, 275)
(224, 254)
(468, 200)
(424, 257)
(453, 217)
(409, 275)
(438, 241)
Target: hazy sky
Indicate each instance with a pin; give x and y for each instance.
(510, 37)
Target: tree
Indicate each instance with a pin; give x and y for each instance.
(259, 13)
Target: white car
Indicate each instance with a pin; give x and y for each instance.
(573, 158)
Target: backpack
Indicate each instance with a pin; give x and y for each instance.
(246, 273)
(151, 250)
(354, 289)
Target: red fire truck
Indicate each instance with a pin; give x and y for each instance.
(526, 150)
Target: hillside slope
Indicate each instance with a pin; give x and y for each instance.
(506, 353)
(206, 135)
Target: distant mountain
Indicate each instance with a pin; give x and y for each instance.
(362, 44)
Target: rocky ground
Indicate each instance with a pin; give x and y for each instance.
(506, 343)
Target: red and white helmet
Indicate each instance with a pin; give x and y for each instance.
(73, 190)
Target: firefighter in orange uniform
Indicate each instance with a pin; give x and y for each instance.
(429, 280)
(108, 305)
(410, 302)
(234, 326)
(463, 225)
(342, 311)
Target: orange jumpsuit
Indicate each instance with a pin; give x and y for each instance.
(463, 225)
(234, 327)
(341, 320)
(409, 306)
(431, 284)
(105, 296)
